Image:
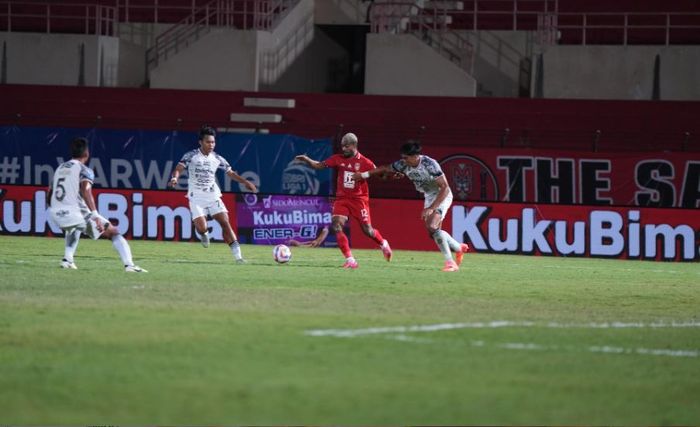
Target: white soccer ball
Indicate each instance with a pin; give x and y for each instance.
(282, 254)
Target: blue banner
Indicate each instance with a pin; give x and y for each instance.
(145, 159)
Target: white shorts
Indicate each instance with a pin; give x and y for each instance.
(76, 218)
(443, 207)
(206, 207)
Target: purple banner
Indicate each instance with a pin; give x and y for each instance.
(271, 220)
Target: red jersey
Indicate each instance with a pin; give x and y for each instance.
(347, 187)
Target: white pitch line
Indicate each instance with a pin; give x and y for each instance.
(351, 333)
(649, 351)
(522, 346)
(408, 338)
(538, 347)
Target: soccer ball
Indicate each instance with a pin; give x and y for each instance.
(282, 254)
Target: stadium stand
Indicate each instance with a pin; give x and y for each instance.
(530, 123)
(383, 120)
(582, 22)
(79, 16)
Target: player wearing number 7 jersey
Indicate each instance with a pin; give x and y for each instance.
(203, 192)
(72, 208)
(352, 197)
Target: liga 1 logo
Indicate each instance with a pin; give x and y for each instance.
(469, 178)
(300, 179)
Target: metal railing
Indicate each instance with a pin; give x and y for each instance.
(157, 12)
(648, 26)
(58, 17)
(511, 11)
(429, 25)
(241, 14)
(554, 26)
(275, 61)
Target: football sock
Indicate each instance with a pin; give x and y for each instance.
(454, 245)
(236, 249)
(442, 245)
(122, 246)
(377, 237)
(72, 239)
(343, 244)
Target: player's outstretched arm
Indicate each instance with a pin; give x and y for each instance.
(249, 185)
(86, 193)
(381, 170)
(320, 238)
(176, 174)
(313, 163)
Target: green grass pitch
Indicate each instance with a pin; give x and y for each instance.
(200, 340)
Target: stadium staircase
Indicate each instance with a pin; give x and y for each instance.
(429, 22)
(264, 15)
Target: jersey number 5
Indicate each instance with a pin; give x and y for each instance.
(60, 189)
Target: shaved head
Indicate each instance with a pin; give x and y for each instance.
(349, 138)
(349, 145)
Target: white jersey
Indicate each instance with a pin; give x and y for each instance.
(424, 176)
(66, 185)
(201, 174)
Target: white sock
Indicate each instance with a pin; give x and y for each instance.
(236, 249)
(442, 245)
(385, 243)
(350, 259)
(122, 246)
(454, 245)
(72, 239)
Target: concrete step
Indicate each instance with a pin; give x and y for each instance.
(269, 102)
(256, 118)
(242, 130)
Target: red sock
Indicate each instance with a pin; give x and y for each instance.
(378, 237)
(343, 244)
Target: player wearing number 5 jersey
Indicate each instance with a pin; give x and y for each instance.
(203, 191)
(352, 197)
(72, 208)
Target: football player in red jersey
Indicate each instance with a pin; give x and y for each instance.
(352, 197)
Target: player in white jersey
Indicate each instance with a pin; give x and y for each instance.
(204, 193)
(427, 176)
(72, 208)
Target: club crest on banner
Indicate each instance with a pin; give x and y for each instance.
(470, 178)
